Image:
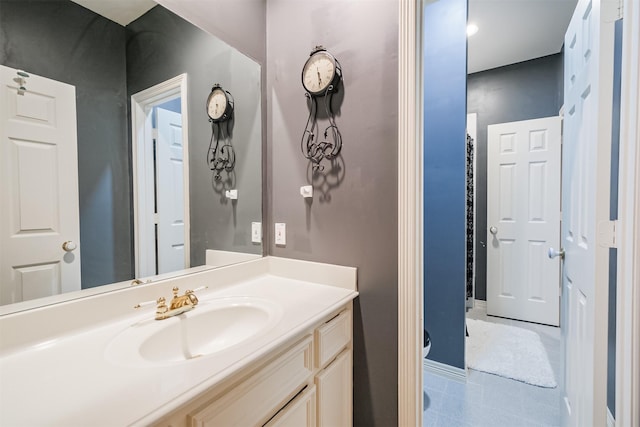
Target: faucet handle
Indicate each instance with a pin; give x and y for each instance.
(159, 302)
(145, 303)
(192, 296)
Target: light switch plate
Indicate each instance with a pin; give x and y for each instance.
(256, 232)
(281, 233)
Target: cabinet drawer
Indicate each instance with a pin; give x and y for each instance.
(258, 398)
(332, 337)
(300, 412)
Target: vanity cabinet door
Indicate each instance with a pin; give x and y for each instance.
(300, 412)
(335, 395)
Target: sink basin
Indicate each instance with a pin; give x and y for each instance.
(214, 326)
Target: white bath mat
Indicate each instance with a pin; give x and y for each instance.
(509, 352)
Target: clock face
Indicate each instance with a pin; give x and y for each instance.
(217, 104)
(318, 72)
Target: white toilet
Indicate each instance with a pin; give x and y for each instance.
(426, 344)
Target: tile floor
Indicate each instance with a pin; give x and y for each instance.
(490, 400)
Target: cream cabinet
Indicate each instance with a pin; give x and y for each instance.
(335, 393)
(306, 382)
(300, 412)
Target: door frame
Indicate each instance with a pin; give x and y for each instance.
(410, 215)
(628, 226)
(142, 134)
(410, 269)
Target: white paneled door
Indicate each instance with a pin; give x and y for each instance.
(170, 201)
(586, 229)
(39, 219)
(523, 220)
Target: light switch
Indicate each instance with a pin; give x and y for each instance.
(281, 233)
(256, 232)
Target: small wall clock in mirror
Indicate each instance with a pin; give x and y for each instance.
(321, 78)
(220, 155)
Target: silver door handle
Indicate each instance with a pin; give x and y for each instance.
(69, 246)
(553, 253)
(493, 230)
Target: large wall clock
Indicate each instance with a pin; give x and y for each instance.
(321, 79)
(220, 155)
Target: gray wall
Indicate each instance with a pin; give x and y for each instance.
(65, 42)
(352, 219)
(527, 90)
(240, 23)
(445, 65)
(160, 46)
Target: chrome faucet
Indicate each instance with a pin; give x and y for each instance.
(178, 304)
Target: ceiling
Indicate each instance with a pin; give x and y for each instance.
(121, 11)
(511, 31)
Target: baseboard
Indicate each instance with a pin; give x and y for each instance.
(479, 303)
(446, 371)
(611, 422)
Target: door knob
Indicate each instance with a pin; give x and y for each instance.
(553, 253)
(494, 230)
(69, 246)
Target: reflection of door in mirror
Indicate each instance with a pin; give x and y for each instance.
(170, 204)
(39, 188)
(161, 177)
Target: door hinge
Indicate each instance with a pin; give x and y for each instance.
(620, 9)
(156, 218)
(607, 234)
(154, 133)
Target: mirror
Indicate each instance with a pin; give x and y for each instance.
(108, 63)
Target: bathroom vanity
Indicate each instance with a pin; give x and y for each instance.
(269, 343)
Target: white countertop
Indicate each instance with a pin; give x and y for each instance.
(67, 380)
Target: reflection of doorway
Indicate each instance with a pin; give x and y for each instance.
(39, 212)
(160, 176)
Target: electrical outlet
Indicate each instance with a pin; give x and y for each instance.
(281, 233)
(306, 191)
(256, 232)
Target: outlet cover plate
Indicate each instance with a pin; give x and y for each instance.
(256, 232)
(281, 233)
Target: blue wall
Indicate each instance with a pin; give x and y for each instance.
(445, 65)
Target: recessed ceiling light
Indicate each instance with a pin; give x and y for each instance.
(471, 29)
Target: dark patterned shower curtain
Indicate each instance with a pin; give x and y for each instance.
(470, 212)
